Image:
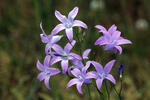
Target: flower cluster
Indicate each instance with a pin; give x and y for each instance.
(79, 68)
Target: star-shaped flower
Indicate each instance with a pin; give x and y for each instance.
(80, 77)
(50, 40)
(111, 38)
(68, 23)
(102, 74)
(46, 71)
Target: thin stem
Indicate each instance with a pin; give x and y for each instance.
(120, 91)
(89, 93)
(107, 91)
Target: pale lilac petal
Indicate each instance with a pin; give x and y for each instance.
(41, 76)
(46, 81)
(56, 38)
(102, 29)
(44, 38)
(86, 53)
(77, 62)
(69, 46)
(69, 34)
(109, 46)
(111, 78)
(43, 32)
(119, 48)
(79, 85)
(123, 41)
(109, 66)
(98, 67)
(39, 66)
(76, 72)
(48, 48)
(69, 70)
(84, 69)
(54, 71)
(91, 74)
(72, 82)
(59, 16)
(80, 23)
(116, 35)
(115, 50)
(47, 61)
(57, 29)
(73, 13)
(75, 56)
(101, 41)
(99, 83)
(55, 60)
(112, 29)
(57, 48)
(64, 65)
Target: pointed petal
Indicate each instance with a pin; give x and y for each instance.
(57, 48)
(123, 41)
(69, 70)
(79, 85)
(80, 23)
(98, 67)
(41, 76)
(69, 46)
(84, 69)
(59, 16)
(44, 38)
(76, 72)
(111, 78)
(86, 53)
(46, 81)
(54, 71)
(73, 13)
(72, 82)
(43, 32)
(48, 48)
(55, 60)
(69, 34)
(39, 66)
(91, 74)
(56, 38)
(47, 60)
(112, 29)
(116, 35)
(119, 48)
(64, 65)
(109, 66)
(101, 28)
(75, 56)
(99, 83)
(101, 41)
(57, 29)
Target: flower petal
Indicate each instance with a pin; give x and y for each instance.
(69, 46)
(116, 35)
(79, 87)
(102, 29)
(41, 76)
(48, 48)
(84, 69)
(111, 78)
(42, 29)
(75, 56)
(98, 67)
(86, 53)
(46, 81)
(112, 29)
(91, 74)
(69, 70)
(101, 41)
(76, 72)
(55, 60)
(119, 48)
(56, 38)
(99, 83)
(57, 48)
(57, 29)
(80, 23)
(54, 71)
(39, 66)
(69, 34)
(72, 82)
(73, 13)
(64, 65)
(59, 16)
(47, 60)
(109, 66)
(44, 38)
(123, 41)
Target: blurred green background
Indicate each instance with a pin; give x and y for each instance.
(20, 46)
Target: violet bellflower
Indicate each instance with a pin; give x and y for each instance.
(101, 74)
(80, 77)
(46, 71)
(111, 38)
(49, 39)
(78, 63)
(68, 23)
(63, 55)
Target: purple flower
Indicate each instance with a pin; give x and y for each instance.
(102, 74)
(111, 38)
(50, 40)
(80, 78)
(63, 55)
(120, 70)
(46, 71)
(68, 23)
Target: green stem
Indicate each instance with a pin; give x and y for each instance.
(120, 97)
(89, 93)
(107, 91)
